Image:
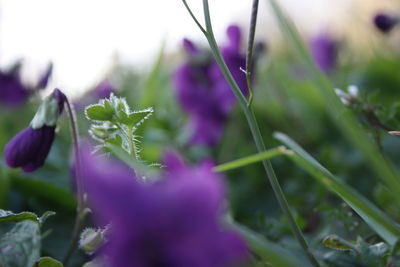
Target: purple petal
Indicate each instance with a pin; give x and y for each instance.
(44, 80)
(29, 148)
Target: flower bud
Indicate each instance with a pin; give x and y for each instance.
(385, 22)
(29, 148)
(92, 239)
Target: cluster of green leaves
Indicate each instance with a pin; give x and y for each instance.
(114, 123)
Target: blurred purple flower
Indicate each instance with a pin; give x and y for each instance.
(235, 60)
(44, 80)
(12, 91)
(29, 148)
(202, 91)
(385, 22)
(174, 221)
(103, 90)
(324, 49)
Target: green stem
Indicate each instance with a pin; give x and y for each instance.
(250, 46)
(131, 142)
(249, 114)
(81, 210)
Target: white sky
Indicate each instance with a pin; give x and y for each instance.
(81, 37)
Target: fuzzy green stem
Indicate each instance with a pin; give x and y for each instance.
(81, 210)
(131, 142)
(249, 114)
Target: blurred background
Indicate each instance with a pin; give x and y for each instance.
(86, 39)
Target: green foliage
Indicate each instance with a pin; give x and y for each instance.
(48, 262)
(373, 216)
(358, 253)
(114, 123)
(20, 246)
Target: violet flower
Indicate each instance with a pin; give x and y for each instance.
(12, 91)
(29, 148)
(385, 22)
(174, 221)
(236, 61)
(202, 91)
(324, 49)
(103, 90)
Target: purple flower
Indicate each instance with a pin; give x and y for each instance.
(44, 80)
(235, 60)
(103, 90)
(12, 91)
(385, 22)
(174, 221)
(202, 91)
(29, 148)
(324, 49)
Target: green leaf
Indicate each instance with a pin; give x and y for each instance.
(382, 224)
(117, 141)
(134, 118)
(21, 245)
(251, 159)
(99, 112)
(338, 243)
(48, 262)
(9, 216)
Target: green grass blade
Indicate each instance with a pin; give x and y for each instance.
(251, 159)
(382, 224)
(345, 120)
(270, 253)
(153, 80)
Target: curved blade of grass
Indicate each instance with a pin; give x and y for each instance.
(269, 252)
(382, 224)
(344, 119)
(251, 159)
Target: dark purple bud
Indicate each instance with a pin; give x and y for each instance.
(29, 148)
(385, 22)
(44, 80)
(324, 49)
